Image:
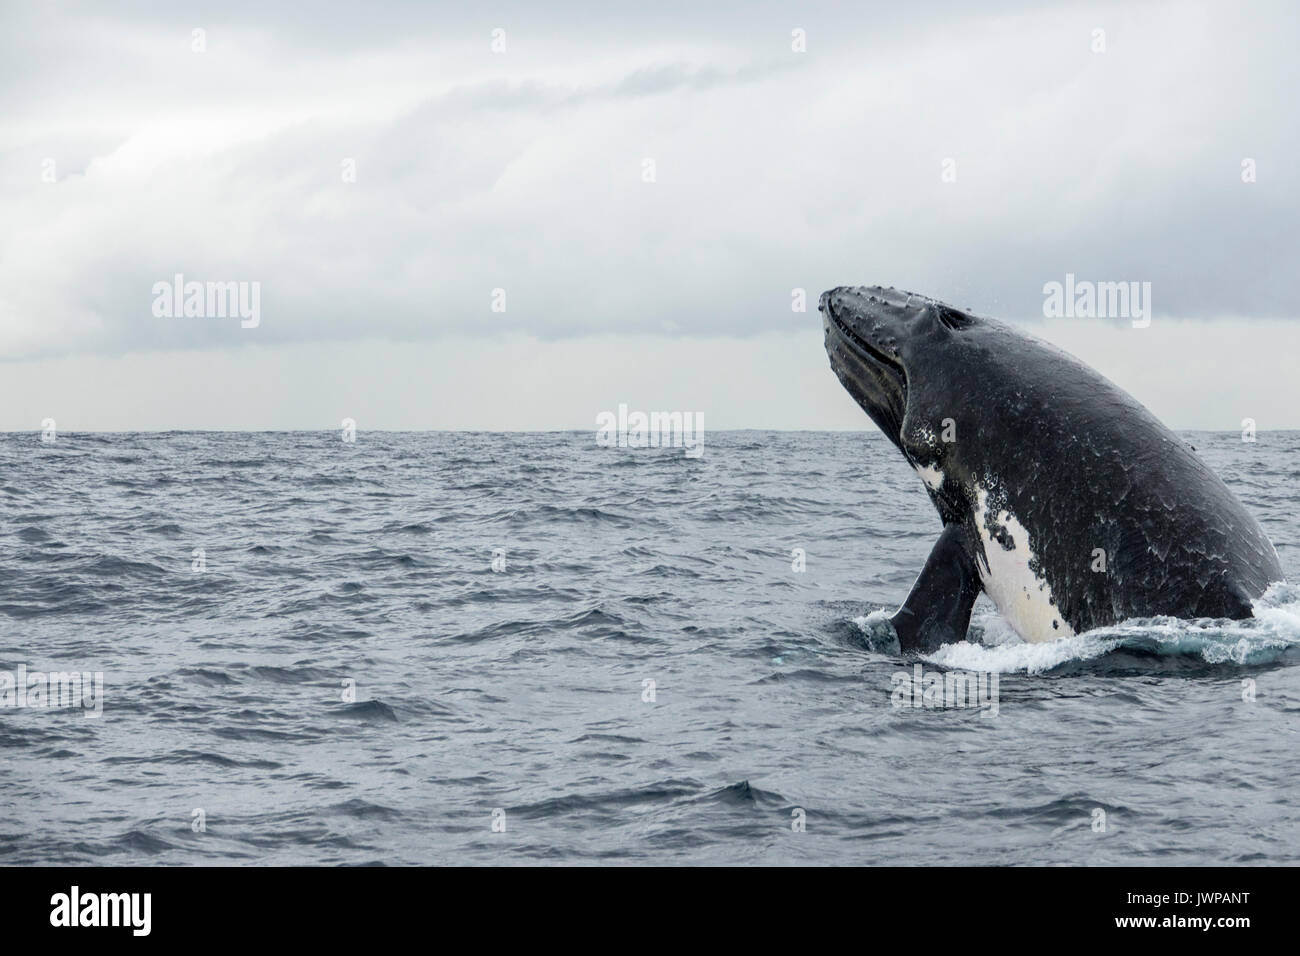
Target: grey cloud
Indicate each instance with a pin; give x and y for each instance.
(775, 170)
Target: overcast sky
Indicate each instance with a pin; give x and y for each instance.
(128, 156)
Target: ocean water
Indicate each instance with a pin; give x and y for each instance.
(308, 658)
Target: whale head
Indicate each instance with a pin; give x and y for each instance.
(877, 338)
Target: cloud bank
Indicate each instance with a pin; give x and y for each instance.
(384, 174)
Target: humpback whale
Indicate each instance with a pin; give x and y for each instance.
(1061, 497)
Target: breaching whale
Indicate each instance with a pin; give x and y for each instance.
(1062, 498)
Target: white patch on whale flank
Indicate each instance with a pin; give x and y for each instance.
(1021, 596)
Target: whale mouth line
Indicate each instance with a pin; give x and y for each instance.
(865, 348)
(875, 379)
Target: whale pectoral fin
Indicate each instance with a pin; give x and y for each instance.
(937, 611)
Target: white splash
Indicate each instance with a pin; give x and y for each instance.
(995, 648)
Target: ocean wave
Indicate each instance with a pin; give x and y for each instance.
(641, 682)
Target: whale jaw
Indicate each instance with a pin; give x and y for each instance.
(873, 375)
